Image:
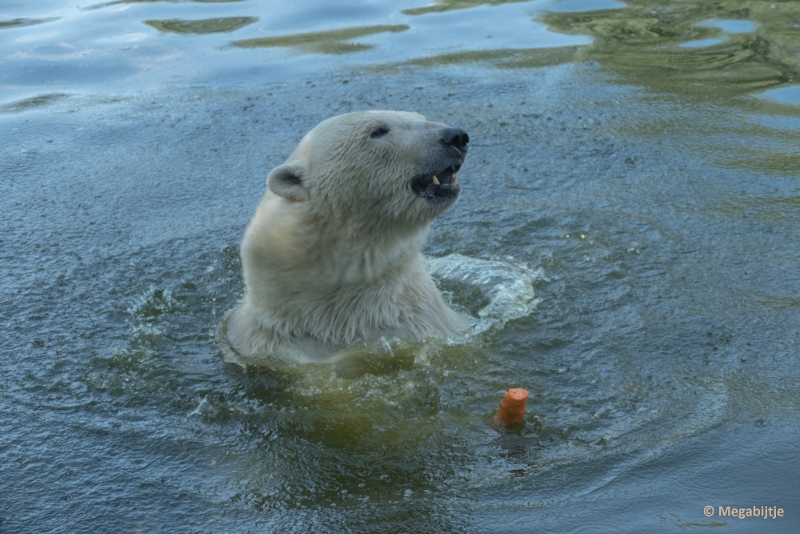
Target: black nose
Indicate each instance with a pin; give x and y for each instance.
(455, 138)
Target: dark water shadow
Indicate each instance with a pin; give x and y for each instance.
(18, 23)
(327, 42)
(32, 103)
(188, 27)
(503, 58)
(117, 2)
(449, 5)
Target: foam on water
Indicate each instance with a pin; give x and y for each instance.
(505, 285)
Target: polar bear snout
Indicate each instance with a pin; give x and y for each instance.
(439, 184)
(456, 138)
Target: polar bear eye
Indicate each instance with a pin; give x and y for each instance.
(379, 131)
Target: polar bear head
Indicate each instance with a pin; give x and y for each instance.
(371, 169)
(332, 255)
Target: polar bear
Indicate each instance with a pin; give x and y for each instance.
(332, 255)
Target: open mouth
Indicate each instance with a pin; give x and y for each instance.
(439, 187)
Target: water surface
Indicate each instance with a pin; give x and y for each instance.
(637, 161)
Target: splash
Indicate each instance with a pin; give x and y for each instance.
(504, 288)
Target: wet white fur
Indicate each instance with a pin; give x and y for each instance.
(332, 255)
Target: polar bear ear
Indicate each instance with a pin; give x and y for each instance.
(287, 181)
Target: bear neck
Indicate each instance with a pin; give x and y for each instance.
(290, 252)
(352, 253)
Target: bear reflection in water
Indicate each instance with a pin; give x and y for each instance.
(332, 256)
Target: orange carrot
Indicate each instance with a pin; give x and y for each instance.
(512, 408)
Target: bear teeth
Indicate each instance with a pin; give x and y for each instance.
(453, 181)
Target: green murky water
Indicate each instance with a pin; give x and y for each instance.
(635, 162)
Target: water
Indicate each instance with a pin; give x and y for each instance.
(634, 165)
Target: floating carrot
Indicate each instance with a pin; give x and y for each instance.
(512, 408)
